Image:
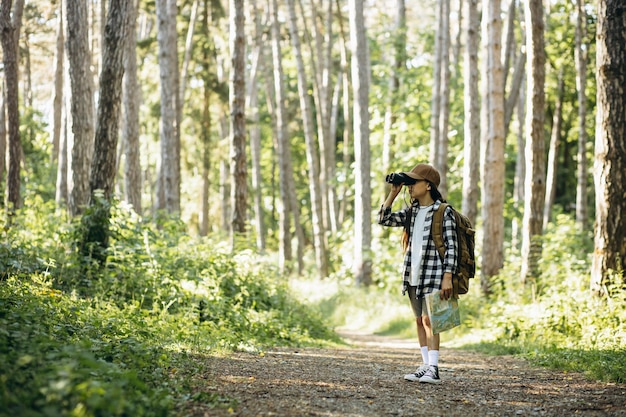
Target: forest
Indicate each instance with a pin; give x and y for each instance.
(187, 178)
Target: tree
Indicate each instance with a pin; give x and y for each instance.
(555, 140)
(168, 188)
(9, 35)
(282, 146)
(238, 169)
(399, 62)
(130, 125)
(362, 267)
(59, 72)
(610, 146)
(103, 170)
(444, 113)
(104, 167)
(471, 150)
(312, 155)
(82, 109)
(493, 172)
(255, 127)
(535, 181)
(580, 55)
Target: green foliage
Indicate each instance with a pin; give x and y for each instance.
(556, 320)
(127, 336)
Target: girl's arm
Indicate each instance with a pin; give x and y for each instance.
(450, 258)
(385, 216)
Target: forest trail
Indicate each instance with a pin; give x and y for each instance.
(366, 379)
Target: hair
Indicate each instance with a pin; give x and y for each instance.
(435, 195)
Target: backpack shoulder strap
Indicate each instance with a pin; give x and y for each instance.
(436, 229)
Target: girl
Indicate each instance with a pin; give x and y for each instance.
(424, 270)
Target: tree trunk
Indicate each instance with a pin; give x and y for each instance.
(509, 46)
(362, 266)
(3, 142)
(255, 127)
(347, 117)
(61, 195)
(321, 256)
(520, 166)
(82, 103)
(494, 172)
(397, 68)
(10, 28)
(104, 169)
(610, 154)
(456, 48)
(444, 114)
(59, 73)
(168, 196)
(282, 150)
(205, 136)
(553, 153)
(130, 126)
(238, 168)
(514, 92)
(188, 48)
(435, 103)
(471, 150)
(535, 185)
(580, 54)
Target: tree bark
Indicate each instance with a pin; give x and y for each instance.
(238, 167)
(435, 104)
(535, 185)
(188, 48)
(255, 127)
(104, 169)
(205, 136)
(610, 154)
(321, 255)
(168, 189)
(282, 150)
(444, 113)
(10, 30)
(82, 103)
(347, 117)
(3, 142)
(580, 55)
(397, 68)
(362, 267)
(494, 170)
(553, 152)
(471, 150)
(130, 125)
(59, 73)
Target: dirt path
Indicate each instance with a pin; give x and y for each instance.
(366, 380)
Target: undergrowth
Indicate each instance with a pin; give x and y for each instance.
(127, 337)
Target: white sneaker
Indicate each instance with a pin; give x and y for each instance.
(431, 376)
(415, 376)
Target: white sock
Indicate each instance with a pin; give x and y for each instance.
(425, 354)
(433, 357)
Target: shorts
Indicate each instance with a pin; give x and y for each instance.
(418, 304)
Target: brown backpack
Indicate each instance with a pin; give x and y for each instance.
(466, 262)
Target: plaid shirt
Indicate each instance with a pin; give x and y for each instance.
(432, 268)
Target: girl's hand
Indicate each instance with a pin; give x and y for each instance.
(396, 188)
(446, 286)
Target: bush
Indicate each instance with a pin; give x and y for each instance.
(122, 336)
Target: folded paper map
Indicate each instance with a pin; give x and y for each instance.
(443, 314)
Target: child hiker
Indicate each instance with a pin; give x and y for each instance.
(424, 270)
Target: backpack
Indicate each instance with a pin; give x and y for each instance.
(466, 262)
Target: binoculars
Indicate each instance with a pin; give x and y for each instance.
(398, 178)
